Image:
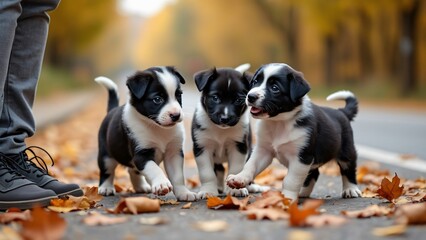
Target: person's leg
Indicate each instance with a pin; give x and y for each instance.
(15, 190)
(23, 69)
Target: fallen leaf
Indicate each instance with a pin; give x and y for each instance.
(9, 233)
(169, 202)
(270, 199)
(370, 191)
(325, 220)
(390, 190)
(71, 203)
(228, 202)
(273, 214)
(411, 214)
(300, 235)
(97, 219)
(92, 194)
(154, 221)
(211, 226)
(137, 205)
(390, 231)
(298, 216)
(193, 182)
(13, 216)
(370, 211)
(43, 225)
(187, 206)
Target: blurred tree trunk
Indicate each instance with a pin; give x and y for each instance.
(408, 44)
(329, 60)
(286, 29)
(364, 45)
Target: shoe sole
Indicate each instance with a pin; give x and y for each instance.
(26, 204)
(75, 193)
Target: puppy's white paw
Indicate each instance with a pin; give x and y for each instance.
(241, 192)
(106, 191)
(161, 186)
(183, 194)
(352, 192)
(256, 188)
(290, 194)
(237, 181)
(204, 193)
(144, 188)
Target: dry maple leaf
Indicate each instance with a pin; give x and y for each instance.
(370, 211)
(298, 216)
(13, 216)
(92, 194)
(97, 219)
(43, 225)
(390, 190)
(228, 202)
(137, 205)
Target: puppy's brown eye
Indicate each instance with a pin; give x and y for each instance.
(158, 100)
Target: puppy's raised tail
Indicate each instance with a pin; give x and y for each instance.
(351, 108)
(112, 91)
(243, 68)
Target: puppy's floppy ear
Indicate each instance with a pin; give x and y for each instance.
(178, 75)
(247, 76)
(299, 87)
(138, 83)
(203, 77)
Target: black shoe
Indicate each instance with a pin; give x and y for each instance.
(39, 175)
(18, 192)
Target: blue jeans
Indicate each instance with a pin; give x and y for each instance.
(23, 33)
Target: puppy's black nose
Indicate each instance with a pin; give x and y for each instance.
(252, 97)
(175, 117)
(224, 119)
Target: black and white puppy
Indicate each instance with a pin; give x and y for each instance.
(300, 134)
(143, 132)
(221, 128)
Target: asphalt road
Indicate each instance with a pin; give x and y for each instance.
(395, 130)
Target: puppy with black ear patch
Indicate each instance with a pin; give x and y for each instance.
(221, 128)
(143, 132)
(300, 134)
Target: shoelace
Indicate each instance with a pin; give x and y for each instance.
(4, 169)
(40, 161)
(27, 164)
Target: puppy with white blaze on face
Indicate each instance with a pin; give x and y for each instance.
(300, 134)
(221, 130)
(143, 132)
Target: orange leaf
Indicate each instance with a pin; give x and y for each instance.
(92, 194)
(228, 202)
(43, 225)
(137, 205)
(298, 216)
(390, 190)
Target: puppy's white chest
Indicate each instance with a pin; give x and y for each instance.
(285, 140)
